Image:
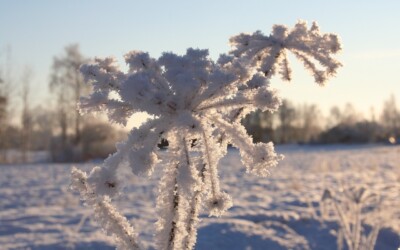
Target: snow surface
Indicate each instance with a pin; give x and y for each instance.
(37, 210)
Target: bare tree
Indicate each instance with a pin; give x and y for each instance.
(260, 125)
(43, 124)
(68, 85)
(348, 115)
(390, 117)
(5, 83)
(3, 121)
(334, 118)
(309, 119)
(26, 115)
(286, 115)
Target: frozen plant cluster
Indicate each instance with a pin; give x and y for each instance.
(355, 207)
(197, 105)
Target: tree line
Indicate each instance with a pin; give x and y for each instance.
(306, 124)
(60, 130)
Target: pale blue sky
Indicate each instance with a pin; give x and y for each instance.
(370, 32)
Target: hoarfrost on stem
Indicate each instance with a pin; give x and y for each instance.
(197, 105)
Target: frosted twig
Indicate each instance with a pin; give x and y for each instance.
(107, 216)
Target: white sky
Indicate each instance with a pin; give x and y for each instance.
(39, 30)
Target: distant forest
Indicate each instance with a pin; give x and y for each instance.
(58, 129)
(306, 124)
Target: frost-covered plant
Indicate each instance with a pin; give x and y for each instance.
(357, 206)
(197, 105)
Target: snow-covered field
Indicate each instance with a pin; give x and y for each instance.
(37, 210)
